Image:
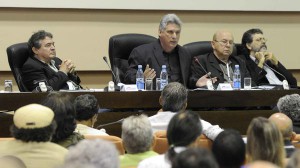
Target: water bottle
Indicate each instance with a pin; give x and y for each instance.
(163, 77)
(140, 78)
(236, 78)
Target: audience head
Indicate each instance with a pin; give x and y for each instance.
(33, 123)
(222, 44)
(264, 142)
(261, 164)
(42, 45)
(137, 134)
(183, 130)
(290, 106)
(253, 41)
(64, 111)
(284, 124)
(174, 97)
(86, 108)
(169, 32)
(95, 153)
(294, 161)
(229, 149)
(194, 158)
(9, 161)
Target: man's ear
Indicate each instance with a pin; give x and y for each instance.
(248, 46)
(160, 100)
(35, 50)
(293, 137)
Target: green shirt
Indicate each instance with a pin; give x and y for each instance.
(132, 160)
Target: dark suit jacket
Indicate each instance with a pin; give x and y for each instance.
(258, 74)
(210, 63)
(34, 71)
(152, 54)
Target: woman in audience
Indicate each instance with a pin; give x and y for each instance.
(183, 131)
(264, 142)
(63, 107)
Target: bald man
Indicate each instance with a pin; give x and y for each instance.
(220, 63)
(285, 125)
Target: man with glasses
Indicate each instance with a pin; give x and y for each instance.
(164, 51)
(219, 64)
(263, 66)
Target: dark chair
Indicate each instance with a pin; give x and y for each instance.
(17, 54)
(202, 47)
(120, 47)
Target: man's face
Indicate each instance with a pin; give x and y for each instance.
(169, 37)
(223, 44)
(258, 43)
(47, 50)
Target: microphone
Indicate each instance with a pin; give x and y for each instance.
(209, 86)
(285, 83)
(114, 76)
(111, 123)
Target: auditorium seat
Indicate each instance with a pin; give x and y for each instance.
(161, 143)
(114, 139)
(203, 47)
(17, 54)
(120, 47)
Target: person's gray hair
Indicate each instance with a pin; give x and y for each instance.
(93, 153)
(174, 97)
(167, 19)
(137, 134)
(290, 106)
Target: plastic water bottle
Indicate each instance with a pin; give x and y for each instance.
(140, 78)
(236, 78)
(163, 77)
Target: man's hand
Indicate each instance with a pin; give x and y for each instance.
(149, 73)
(203, 80)
(260, 56)
(67, 66)
(271, 57)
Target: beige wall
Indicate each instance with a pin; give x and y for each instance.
(83, 35)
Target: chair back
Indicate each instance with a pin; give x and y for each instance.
(17, 54)
(120, 47)
(202, 47)
(118, 142)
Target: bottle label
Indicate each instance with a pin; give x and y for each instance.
(163, 83)
(140, 83)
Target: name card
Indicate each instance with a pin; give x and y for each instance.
(224, 86)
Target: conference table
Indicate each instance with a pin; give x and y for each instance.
(229, 109)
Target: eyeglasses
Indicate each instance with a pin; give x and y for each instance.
(225, 42)
(261, 39)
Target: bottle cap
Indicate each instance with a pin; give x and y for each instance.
(164, 66)
(237, 66)
(140, 66)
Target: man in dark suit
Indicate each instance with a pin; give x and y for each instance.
(261, 63)
(165, 51)
(220, 63)
(44, 66)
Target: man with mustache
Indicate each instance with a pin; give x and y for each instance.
(165, 51)
(261, 63)
(44, 66)
(220, 63)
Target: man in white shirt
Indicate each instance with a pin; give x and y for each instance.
(173, 99)
(263, 66)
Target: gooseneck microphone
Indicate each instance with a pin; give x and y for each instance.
(111, 123)
(208, 73)
(285, 83)
(114, 75)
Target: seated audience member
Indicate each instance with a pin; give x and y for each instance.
(95, 153)
(290, 106)
(285, 126)
(43, 65)
(294, 161)
(183, 131)
(86, 115)
(220, 63)
(33, 127)
(165, 51)
(173, 99)
(64, 110)
(261, 164)
(264, 142)
(137, 140)
(9, 161)
(229, 149)
(195, 158)
(261, 63)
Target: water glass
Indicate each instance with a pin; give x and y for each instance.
(247, 83)
(148, 84)
(157, 83)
